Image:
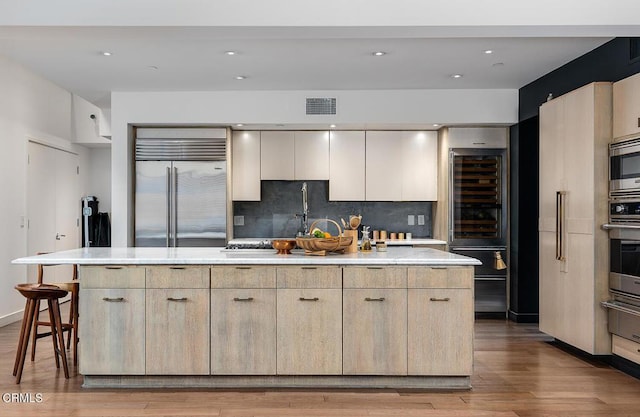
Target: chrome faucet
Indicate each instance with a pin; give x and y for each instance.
(305, 210)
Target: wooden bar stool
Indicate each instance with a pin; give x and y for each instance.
(70, 326)
(34, 293)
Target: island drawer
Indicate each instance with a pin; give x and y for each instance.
(309, 277)
(440, 277)
(112, 276)
(374, 277)
(242, 276)
(626, 348)
(176, 276)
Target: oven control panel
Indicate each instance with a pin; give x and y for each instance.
(625, 210)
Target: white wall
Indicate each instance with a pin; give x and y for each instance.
(392, 107)
(30, 108)
(99, 181)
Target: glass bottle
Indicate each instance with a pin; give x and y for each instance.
(366, 242)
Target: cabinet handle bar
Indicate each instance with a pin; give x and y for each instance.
(113, 267)
(177, 267)
(243, 267)
(177, 299)
(309, 299)
(309, 267)
(439, 299)
(113, 300)
(374, 299)
(243, 299)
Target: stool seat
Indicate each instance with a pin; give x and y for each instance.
(34, 293)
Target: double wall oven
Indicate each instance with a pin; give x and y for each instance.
(624, 240)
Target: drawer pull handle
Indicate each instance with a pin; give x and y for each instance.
(177, 267)
(636, 282)
(177, 299)
(374, 267)
(113, 300)
(243, 267)
(438, 267)
(113, 267)
(243, 299)
(309, 299)
(309, 267)
(439, 299)
(635, 336)
(374, 299)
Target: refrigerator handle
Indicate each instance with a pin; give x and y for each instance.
(168, 194)
(175, 207)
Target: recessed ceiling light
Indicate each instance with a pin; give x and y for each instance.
(241, 77)
(488, 51)
(230, 53)
(436, 125)
(332, 126)
(456, 76)
(106, 53)
(379, 53)
(239, 124)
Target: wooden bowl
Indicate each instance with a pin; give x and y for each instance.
(283, 246)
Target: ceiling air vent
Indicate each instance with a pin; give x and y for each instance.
(317, 106)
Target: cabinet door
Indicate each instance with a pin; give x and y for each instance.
(243, 331)
(551, 285)
(346, 166)
(551, 161)
(440, 331)
(309, 329)
(419, 166)
(375, 331)
(177, 326)
(311, 155)
(626, 107)
(245, 158)
(277, 155)
(383, 166)
(112, 332)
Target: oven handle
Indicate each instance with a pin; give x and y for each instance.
(618, 307)
(609, 226)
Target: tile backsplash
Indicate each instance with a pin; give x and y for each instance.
(274, 216)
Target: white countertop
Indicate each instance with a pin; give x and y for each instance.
(389, 242)
(401, 255)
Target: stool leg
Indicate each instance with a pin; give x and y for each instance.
(34, 337)
(53, 333)
(75, 301)
(25, 340)
(21, 338)
(63, 352)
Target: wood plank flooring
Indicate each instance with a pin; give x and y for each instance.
(518, 373)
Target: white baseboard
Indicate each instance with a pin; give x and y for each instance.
(11, 318)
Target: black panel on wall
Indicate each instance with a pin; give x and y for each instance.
(274, 215)
(612, 61)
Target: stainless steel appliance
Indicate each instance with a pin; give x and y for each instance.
(181, 181)
(624, 275)
(624, 168)
(478, 220)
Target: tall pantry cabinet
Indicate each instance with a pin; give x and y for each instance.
(575, 130)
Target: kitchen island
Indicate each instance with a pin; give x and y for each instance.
(209, 317)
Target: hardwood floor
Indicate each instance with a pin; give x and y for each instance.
(518, 372)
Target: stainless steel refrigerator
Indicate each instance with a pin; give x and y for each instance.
(180, 188)
(478, 221)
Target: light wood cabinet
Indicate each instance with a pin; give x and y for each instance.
(177, 331)
(245, 167)
(347, 166)
(440, 320)
(375, 331)
(243, 331)
(626, 108)
(311, 160)
(309, 331)
(112, 328)
(440, 331)
(575, 130)
(277, 155)
(401, 166)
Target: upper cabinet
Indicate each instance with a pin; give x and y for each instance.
(626, 108)
(346, 166)
(245, 157)
(291, 155)
(277, 155)
(90, 126)
(401, 166)
(478, 137)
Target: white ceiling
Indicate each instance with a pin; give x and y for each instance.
(179, 45)
(193, 59)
